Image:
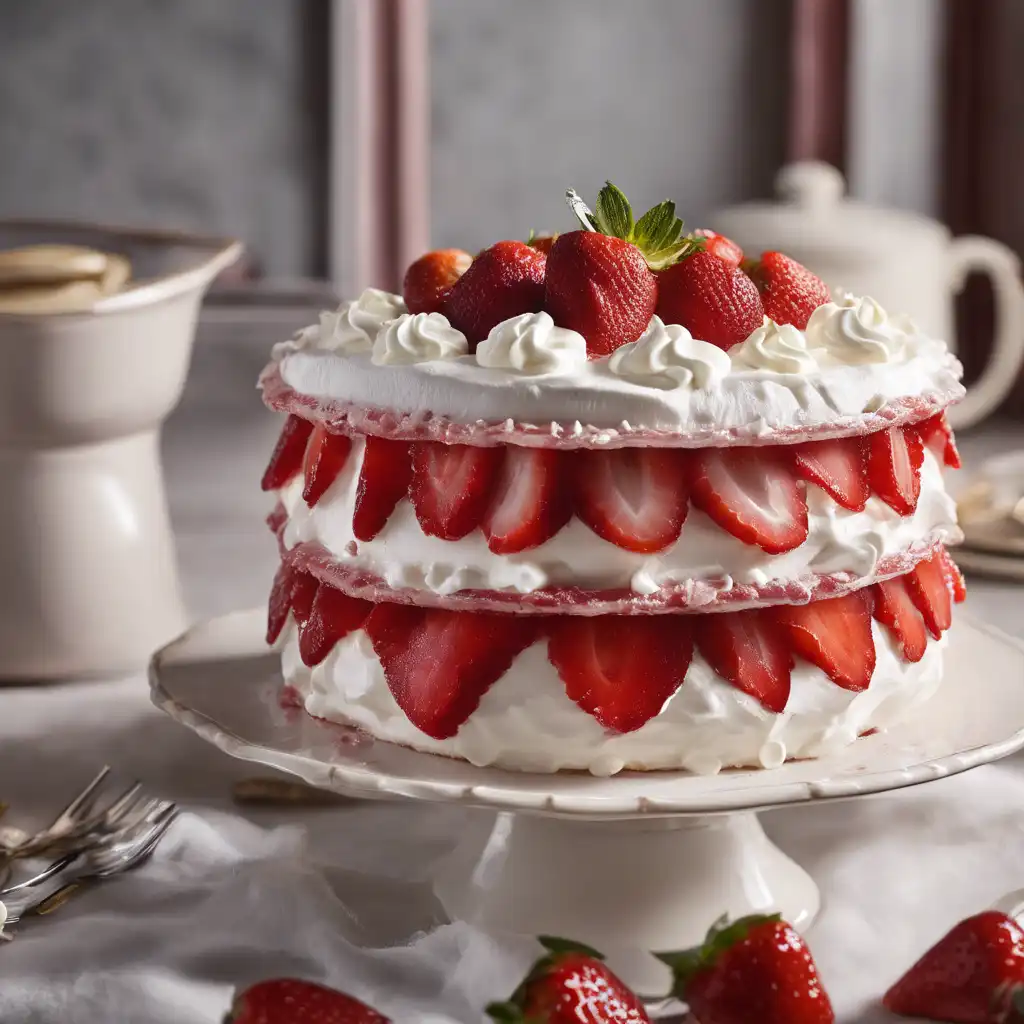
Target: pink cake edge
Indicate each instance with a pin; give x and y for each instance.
(355, 420)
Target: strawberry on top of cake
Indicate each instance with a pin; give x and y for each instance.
(616, 497)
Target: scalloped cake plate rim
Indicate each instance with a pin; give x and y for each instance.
(220, 679)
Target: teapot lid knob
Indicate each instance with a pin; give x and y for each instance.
(810, 183)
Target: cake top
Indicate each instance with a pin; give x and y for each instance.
(624, 331)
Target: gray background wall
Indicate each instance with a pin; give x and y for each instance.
(210, 114)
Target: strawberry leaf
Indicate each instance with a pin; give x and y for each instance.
(614, 214)
(658, 226)
(556, 945)
(505, 1013)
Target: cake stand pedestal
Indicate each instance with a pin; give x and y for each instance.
(632, 863)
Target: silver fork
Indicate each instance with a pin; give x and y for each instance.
(120, 854)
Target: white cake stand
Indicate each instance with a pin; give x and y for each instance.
(636, 862)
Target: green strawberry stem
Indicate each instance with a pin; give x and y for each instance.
(658, 234)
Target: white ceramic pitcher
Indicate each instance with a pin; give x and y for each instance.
(909, 263)
(88, 578)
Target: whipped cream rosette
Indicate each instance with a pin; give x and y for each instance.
(622, 500)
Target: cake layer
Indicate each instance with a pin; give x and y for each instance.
(706, 562)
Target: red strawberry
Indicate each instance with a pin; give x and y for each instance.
(724, 248)
(839, 467)
(894, 608)
(531, 502)
(292, 591)
(430, 278)
(333, 616)
(286, 460)
(571, 985)
(384, 478)
(712, 300)
(635, 498)
(746, 649)
(931, 594)
(600, 281)
(969, 976)
(451, 486)
(835, 635)
(621, 668)
(503, 281)
(789, 291)
(543, 243)
(752, 493)
(601, 287)
(290, 1001)
(894, 467)
(325, 458)
(938, 438)
(954, 578)
(756, 970)
(438, 664)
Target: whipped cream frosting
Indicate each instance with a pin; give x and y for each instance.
(669, 357)
(531, 344)
(857, 331)
(353, 326)
(779, 348)
(526, 721)
(838, 541)
(417, 338)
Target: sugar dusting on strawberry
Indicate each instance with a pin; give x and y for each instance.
(292, 1001)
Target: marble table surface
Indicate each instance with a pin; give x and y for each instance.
(879, 909)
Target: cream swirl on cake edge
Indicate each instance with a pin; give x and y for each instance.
(668, 356)
(532, 344)
(780, 348)
(417, 338)
(857, 330)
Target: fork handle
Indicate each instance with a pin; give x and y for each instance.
(48, 903)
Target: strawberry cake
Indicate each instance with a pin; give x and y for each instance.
(615, 499)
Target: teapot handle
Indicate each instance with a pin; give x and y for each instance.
(972, 252)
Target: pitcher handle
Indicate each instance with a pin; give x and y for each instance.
(972, 252)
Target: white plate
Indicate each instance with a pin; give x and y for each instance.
(220, 680)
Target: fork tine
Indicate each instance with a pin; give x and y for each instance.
(81, 806)
(123, 803)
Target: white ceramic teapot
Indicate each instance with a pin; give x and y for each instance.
(909, 263)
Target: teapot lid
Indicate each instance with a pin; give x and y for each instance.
(814, 213)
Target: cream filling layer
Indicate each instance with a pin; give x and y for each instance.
(404, 557)
(526, 721)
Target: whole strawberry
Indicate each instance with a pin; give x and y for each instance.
(571, 985)
(755, 970)
(973, 975)
(430, 278)
(600, 281)
(291, 1001)
(718, 245)
(789, 291)
(503, 281)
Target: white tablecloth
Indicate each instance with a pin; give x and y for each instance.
(341, 894)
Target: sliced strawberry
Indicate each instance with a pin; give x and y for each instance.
(931, 594)
(451, 486)
(839, 467)
(286, 460)
(894, 467)
(325, 458)
(621, 668)
(895, 609)
(531, 502)
(635, 498)
(430, 278)
(938, 439)
(384, 479)
(954, 577)
(724, 248)
(754, 494)
(438, 664)
(748, 650)
(334, 615)
(292, 591)
(835, 635)
(790, 292)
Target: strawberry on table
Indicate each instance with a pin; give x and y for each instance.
(600, 281)
(756, 970)
(291, 1001)
(635, 498)
(503, 281)
(384, 479)
(325, 458)
(895, 457)
(286, 459)
(452, 486)
(438, 664)
(571, 985)
(753, 494)
(621, 668)
(789, 291)
(430, 278)
(718, 245)
(972, 975)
